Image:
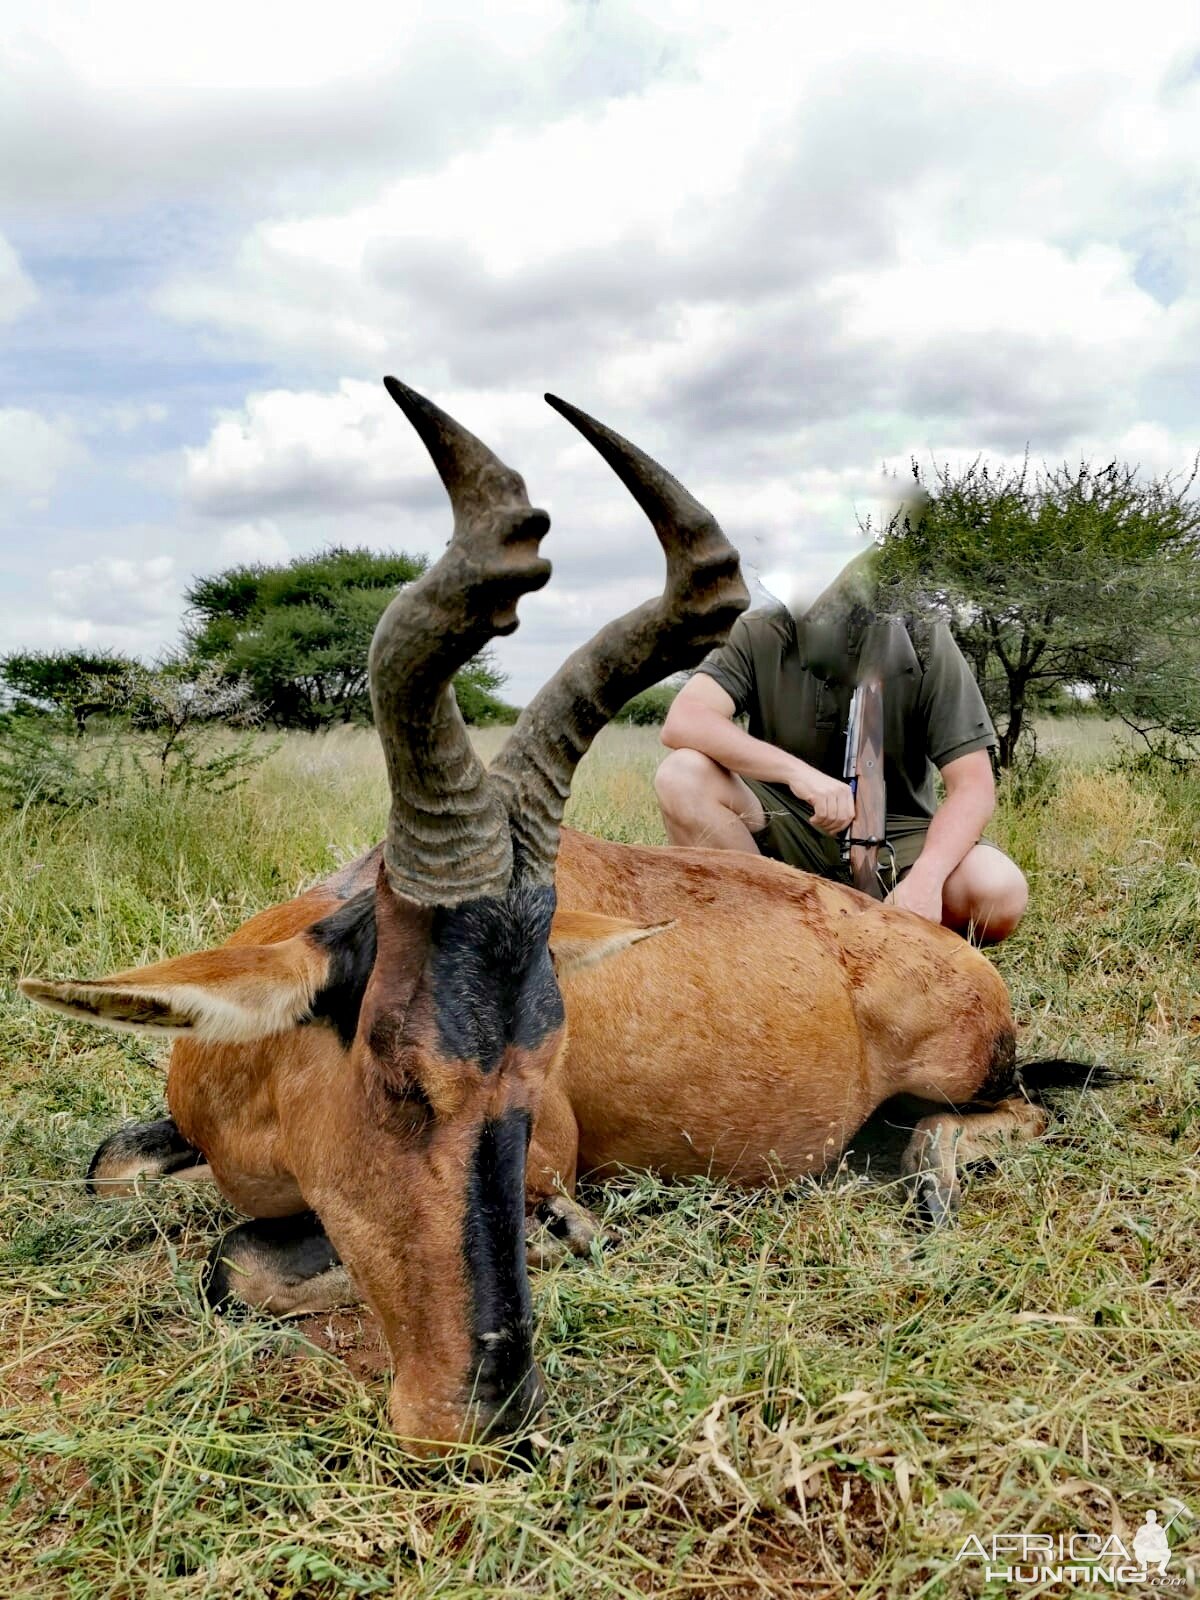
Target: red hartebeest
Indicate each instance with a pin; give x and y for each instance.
(379, 1073)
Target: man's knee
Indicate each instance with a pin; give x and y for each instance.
(687, 781)
(703, 804)
(987, 892)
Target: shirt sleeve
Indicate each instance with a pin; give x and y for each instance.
(732, 666)
(955, 716)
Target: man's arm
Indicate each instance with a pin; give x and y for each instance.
(701, 718)
(955, 829)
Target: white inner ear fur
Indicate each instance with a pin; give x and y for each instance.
(574, 953)
(213, 1014)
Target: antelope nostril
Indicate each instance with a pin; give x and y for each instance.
(504, 1415)
(503, 1360)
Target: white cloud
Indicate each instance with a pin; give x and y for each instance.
(794, 138)
(17, 290)
(1156, 449)
(129, 417)
(134, 48)
(831, 241)
(1003, 286)
(307, 452)
(238, 99)
(128, 604)
(288, 448)
(117, 590)
(253, 542)
(35, 451)
(53, 630)
(351, 451)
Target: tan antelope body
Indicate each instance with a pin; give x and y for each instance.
(393, 1070)
(750, 1039)
(754, 1037)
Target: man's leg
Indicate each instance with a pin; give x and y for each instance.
(704, 805)
(985, 895)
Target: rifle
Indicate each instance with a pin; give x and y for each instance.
(863, 771)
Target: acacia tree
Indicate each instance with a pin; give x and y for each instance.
(299, 633)
(1063, 577)
(181, 714)
(179, 707)
(72, 681)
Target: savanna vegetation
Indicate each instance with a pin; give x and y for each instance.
(297, 635)
(789, 1393)
(281, 646)
(1063, 581)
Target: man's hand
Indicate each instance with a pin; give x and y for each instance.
(956, 828)
(831, 800)
(918, 893)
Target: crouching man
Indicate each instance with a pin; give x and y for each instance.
(776, 785)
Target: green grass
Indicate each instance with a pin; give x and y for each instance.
(763, 1394)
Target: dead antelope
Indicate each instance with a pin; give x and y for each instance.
(378, 1072)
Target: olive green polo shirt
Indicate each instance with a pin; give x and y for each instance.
(793, 678)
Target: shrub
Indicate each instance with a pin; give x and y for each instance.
(649, 709)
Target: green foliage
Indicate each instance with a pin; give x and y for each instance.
(40, 764)
(299, 634)
(164, 726)
(649, 709)
(475, 690)
(183, 711)
(1071, 575)
(72, 681)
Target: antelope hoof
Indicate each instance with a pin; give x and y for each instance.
(559, 1227)
(142, 1150)
(285, 1266)
(936, 1200)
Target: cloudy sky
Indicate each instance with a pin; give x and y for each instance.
(776, 245)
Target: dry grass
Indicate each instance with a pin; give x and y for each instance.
(767, 1394)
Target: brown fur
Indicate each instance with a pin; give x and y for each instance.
(750, 1038)
(755, 1036)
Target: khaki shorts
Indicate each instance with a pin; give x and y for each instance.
(790, 837)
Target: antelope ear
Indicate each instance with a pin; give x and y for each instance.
(580, 939)
(231, 995)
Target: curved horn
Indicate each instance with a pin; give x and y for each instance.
(448, 838)
(703, 597)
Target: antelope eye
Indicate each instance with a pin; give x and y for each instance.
(409, 1109)
(410, 1093)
